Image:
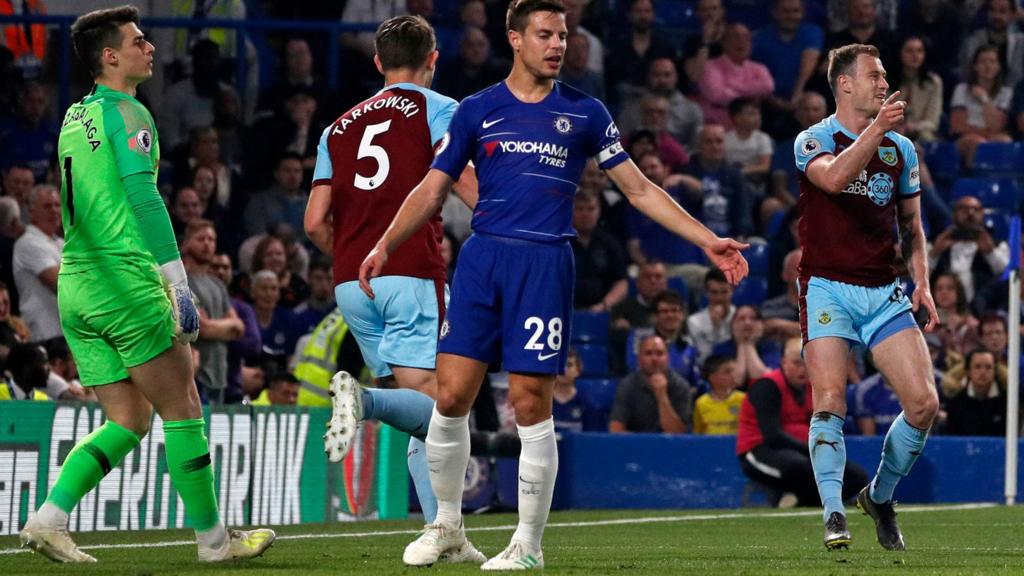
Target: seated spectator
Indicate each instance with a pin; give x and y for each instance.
(648, 240)
(992, 338)
(669, 325)
(204, 182)
(1001, 34)
(958, 328)
(475, 68)
(308, 313)
(18, 183)
(188, 103)
(600, 259)
(29, 138)
(772, 440)
(567, 408)
(37, 256)
(273, 321)
(637, 311)
(11, 229)
(186, 207)
(631, 50)
(978, 110)
(718, 410)
(682, 117)
(863, 28)
(790, 48)
(654, 398)
(294, 132)
(711, 325)
(654, 111)
(272, 255)
(725, 205)
(875, 405)
(297, 255)
(595, 48)
(979, 407)
(705, 44)
(282, 390)
(940, 24)
(575, 72)
(782, 313)
(285, 201)
(920, 88)
(614, 206)
(26, 375)
(227, 195)
(747, 145)
(966, 248)
(12, 328)
(811, 108)
(754, 354)
(63, 382)
(219, 325)
(244, 372)
(297, 75)
(733, 75)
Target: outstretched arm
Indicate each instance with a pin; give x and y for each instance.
(651, 200)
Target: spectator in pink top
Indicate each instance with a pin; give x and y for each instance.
(733, 75)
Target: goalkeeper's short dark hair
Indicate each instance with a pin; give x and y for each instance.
(100, 29)
(404, 42)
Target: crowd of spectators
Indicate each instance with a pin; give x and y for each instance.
(708, 98)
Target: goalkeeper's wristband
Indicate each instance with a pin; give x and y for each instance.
(174, 272)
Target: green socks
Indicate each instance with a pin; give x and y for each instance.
(89, 461)
(188, 460)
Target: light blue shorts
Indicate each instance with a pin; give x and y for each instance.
(399, 326)
(859, 314)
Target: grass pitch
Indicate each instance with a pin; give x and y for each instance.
(940, 540)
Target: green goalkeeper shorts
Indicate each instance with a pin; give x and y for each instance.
(114, 318)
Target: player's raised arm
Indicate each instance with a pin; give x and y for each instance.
(653, 201)
(832, 173)
(423, 202)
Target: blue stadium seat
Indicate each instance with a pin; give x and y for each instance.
(598, 395)
(998, 224)
(594, 358)
(942, 158)
(757, 257)
(994, 194)
(589, 327)
(752, 290)
(679, 285)
(999, 158)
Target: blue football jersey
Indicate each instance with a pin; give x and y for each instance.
(528, 157)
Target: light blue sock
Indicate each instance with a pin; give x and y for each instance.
(421, 479)
(828, 457)
(403, 409)
(903, 444)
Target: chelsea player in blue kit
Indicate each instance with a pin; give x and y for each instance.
(529, 138)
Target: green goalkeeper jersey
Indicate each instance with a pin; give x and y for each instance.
(105, 137)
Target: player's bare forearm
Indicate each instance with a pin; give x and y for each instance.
(651, 200)
(318, 221)
(833, 173)
(423, 202)
(670, 421)
(912, 240)
(467, 188)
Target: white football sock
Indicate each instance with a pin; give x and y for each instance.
(52, 517)
(538, 467)
(447, 459)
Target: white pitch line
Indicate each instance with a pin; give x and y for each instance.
(584, 524)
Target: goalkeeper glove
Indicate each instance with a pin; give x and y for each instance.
(183, 306)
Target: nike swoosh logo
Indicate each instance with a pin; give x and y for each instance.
(491, 123)
(543, 357)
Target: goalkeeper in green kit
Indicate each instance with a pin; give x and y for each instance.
(124, 300)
